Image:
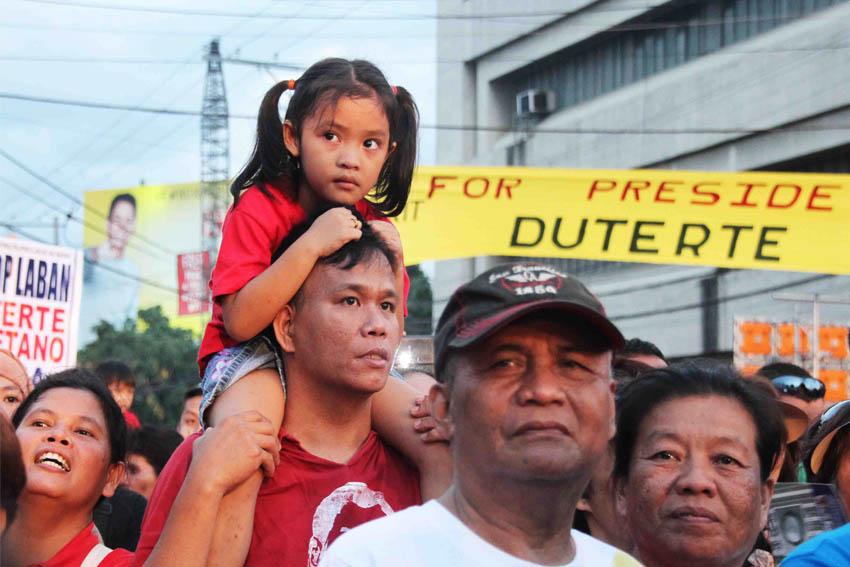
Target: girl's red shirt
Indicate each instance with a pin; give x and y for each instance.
(251, 233)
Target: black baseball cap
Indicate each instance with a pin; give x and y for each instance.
(503, 294)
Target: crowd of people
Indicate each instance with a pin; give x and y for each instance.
(542, 438)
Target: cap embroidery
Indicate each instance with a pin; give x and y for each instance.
(527, 279)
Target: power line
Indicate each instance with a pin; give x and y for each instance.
(70, 216)
(716, 301)
(458, 127)
(362, 16)
(74, 199)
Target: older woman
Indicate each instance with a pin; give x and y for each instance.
(695, 448)
(72, 438)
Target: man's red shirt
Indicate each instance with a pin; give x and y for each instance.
(306, 504)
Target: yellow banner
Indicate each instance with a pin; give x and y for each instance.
(777, 221)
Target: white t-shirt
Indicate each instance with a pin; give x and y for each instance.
(431, 536)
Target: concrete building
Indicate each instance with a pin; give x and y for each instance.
(774, 75)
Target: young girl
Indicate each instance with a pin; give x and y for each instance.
(346, 133)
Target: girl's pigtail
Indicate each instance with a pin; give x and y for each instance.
(270, 159)
(397, 175)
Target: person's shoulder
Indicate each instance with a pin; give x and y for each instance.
(825, 550)
(378, 542)
(591, 551)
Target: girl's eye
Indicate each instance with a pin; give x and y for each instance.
(11, 399)
(371, 144)
(388, 306)
(38, 423)
(330, 136)
(85, 432)
(350, 300)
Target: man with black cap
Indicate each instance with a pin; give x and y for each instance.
(523, 354)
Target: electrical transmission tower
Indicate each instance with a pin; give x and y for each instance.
(215, 156)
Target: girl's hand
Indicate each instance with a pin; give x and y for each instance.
(332, 230)
(390, 235)
(228, 454)
(425, 424)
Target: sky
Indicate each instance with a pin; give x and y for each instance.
(150, 54)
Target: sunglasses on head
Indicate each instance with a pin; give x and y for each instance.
(805, 388)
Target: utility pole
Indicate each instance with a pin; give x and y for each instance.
(815, 299)
(215, 156)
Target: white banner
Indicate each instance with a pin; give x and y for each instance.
(40, 288)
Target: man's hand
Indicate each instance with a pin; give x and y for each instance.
(226, 455)
(425, 424)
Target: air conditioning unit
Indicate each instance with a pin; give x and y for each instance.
(535, 102)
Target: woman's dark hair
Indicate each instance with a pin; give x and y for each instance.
(156, 444)
(122, 197)
(838, 446)
(324, 83)
(80, 379)
(640, 397)
(12, 472)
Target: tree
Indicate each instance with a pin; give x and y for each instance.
(163, 359)
(419, 303)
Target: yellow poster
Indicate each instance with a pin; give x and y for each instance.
(776, 221)
(143, 244)
(137, 243)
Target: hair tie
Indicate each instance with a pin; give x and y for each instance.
(395, 90)
(291, 84)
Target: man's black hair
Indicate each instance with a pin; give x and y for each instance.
(111, 371)
(777, 369)
(703, 378)
(126, 197)
(640, 346)
(156, 444)
(369, 245)
(79, 379)
(193, 393)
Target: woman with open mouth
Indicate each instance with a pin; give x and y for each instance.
(73, 440)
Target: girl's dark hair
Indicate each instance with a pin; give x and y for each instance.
(80, 379)
(127, 197)
(640, 397)
(323, 83)
(11, 469)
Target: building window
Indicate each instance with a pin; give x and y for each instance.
(663, 38)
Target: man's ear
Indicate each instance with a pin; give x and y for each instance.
(290, 138)
(439, 396)
(612, 408)
(766, 494)
(283, 325)
(113, 479)
(620, 498)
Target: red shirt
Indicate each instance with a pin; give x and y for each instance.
(251, 233)
(305, 505)
(78, 548)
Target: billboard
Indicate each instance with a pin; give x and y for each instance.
(142, 248)
(760, 341)
(143, 244)
(40, 289)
